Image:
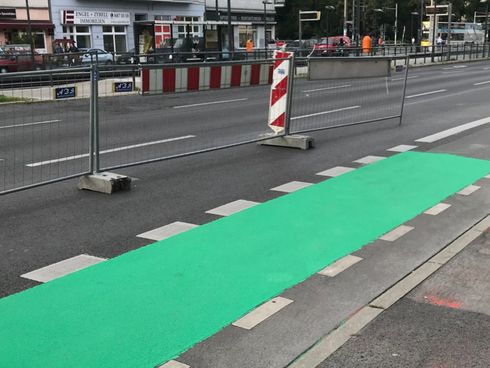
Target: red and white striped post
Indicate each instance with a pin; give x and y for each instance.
(282, 79)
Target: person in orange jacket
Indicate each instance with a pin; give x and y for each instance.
(249, 45)
(366, 44)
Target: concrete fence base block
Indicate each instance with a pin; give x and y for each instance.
(105, 182)
(292, 141)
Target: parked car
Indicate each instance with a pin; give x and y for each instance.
(13, 61)
(332, 46)
(96, 55)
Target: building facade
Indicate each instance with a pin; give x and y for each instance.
(14, 23)
(251, 19)
(112, 25)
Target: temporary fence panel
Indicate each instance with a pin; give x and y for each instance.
(44, 127)
(136, 129)
(335, 102)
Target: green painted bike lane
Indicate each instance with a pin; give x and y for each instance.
(147, 306)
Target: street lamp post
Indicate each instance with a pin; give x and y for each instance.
(412, 14)
(327, 9)
(29, 30)
(485, 37)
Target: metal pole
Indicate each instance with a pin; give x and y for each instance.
(94, 152)
(358, 22)
(396, 23)
(230, 30)
(345, 17)
(265, 26)
(421, 22)
(485, 39)
(29, 31)
(449, 26)
(299, 31)
(404, 90)
(434, 26)
(289, 101)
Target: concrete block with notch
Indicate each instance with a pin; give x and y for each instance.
(105, 182)
(293, 141)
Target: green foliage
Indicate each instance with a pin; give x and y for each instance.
(371, 21)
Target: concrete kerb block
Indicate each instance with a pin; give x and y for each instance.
(291, 141)
(105, 182)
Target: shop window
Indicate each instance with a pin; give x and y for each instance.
(80, 34)
(138, 17)
(114, 38)
(39, 40)
(246, 32)
(189, 30)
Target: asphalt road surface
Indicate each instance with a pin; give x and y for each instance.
(45, 225)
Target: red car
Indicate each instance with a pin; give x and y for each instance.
(19, 62)
(332, 46)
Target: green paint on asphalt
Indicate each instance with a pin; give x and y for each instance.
(147, 306)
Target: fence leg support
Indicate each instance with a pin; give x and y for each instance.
(291, 141)
(105, 182)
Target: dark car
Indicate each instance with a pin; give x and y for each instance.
(127, 57)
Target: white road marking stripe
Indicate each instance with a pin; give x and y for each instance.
(369, 160)
(437, 209)
(63, 268)
(262, 312)
(481, 83)
(449, 132)
(231, 208)
(117, 149)
(336, 171)
(399, 79)
(327, 88)
(291, 187)
(402, 148)
(426, 93)
(396, 233)
(326, 112)
(210, 103)
(339, 266)
(470, 189)
(30, 124)
(167, 231)
(174, 364)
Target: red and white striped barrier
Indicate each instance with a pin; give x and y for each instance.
(201, 78)
(279, 91)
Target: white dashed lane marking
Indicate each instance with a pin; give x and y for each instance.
(263, 312)
(369, 160)
(426, 93)
(231, 208)
(402, 148)
(456, 130)
(291, 187)
(167, 231)
(62, 268)
(336, 171)
(396, 233)
(339, 266)
(437, 209)
(174, 364)
(470, 189)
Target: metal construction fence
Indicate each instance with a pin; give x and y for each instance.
(100, 118)
(353, 99)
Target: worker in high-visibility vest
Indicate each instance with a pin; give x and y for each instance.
(366, 44)
(249, 45)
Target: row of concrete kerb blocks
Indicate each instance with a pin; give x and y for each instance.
(158, 79)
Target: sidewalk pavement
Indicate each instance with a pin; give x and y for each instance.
(443, 323)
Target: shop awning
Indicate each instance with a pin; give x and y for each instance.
(23, 24)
